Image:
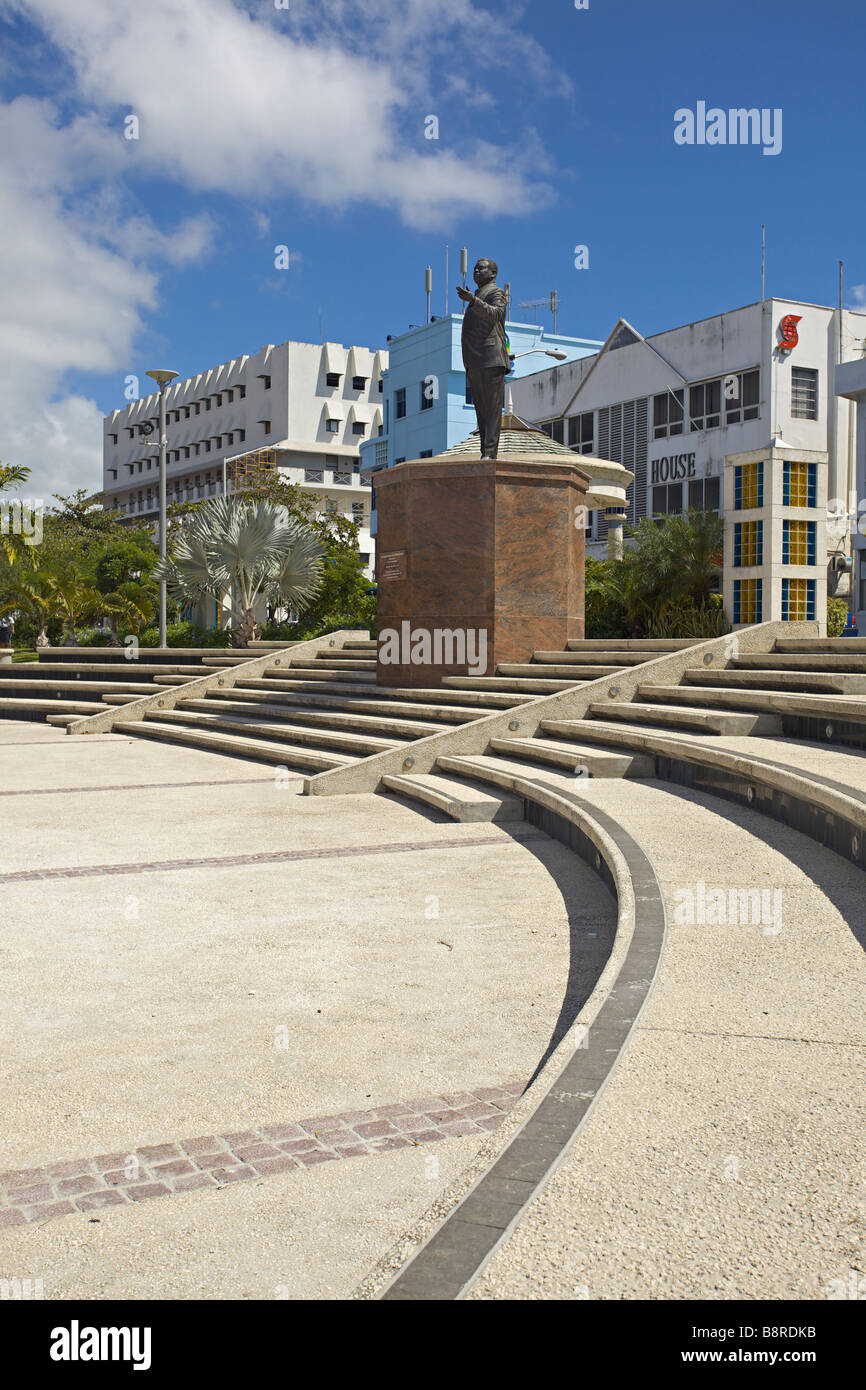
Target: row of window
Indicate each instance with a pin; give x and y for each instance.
(186, 491)
(798, 600)
(799, 543)
(703, 496)
(799, 485)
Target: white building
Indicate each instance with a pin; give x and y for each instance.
(677, 407)
(302, 408)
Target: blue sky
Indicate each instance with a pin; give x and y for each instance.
(305, 127)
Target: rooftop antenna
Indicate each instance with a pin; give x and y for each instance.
(534, 305)
(447, 285)
(554, 306)
(428, 285)
(763, 261)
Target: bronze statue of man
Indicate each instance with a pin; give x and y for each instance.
(485, 352)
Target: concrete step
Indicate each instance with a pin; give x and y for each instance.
(770, 701)
(491, 701)
(463, 800)
(618, 660)
(840, 684)
(447, 715)
(654, 645)
(347, 655)
(687, 717)
(99, 670)
(306, 760)
(317, 671)
(44, 690)
(802, 661)
(579, 757)
(275, 731)
(514, 685)
(572, 674)
(396, 730)
(504, 773)
(330, 663)
(820, 644)
(36, 709)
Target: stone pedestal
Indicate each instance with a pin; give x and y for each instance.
(5, 656)
(467, 547)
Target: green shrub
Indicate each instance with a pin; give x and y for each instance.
(837, 614)
(176, 635)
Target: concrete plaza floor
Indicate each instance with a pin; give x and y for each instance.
(727, 1156)
(188, 947)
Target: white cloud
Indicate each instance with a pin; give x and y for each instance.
(857, 297)
(324, 103)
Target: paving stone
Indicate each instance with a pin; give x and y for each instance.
(176, 1169)
(93, 1201)
(204, 1144)
(217, 1160)
(148, 1190)
(11, 1216)
(233, 1174)
(254, 1152)
(352, 1150)
(153, 1152)
(248, 1136)
(283, 1164)
(297, 1146)
(309, 1159)
(375, 1129)
(491, 1122)
(47, 1211)
(190, 1184)
(26, 1196)
(391, 1141)
(72, 1187)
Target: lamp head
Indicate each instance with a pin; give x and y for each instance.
(162, 376)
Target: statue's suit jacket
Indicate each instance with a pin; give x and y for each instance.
(484, 342)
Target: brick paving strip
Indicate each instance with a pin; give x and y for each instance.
(228, 861)
(215, 1160)
(136, 786)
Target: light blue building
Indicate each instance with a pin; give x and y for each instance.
(426, 407)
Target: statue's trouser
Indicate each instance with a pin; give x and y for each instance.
(488, 393)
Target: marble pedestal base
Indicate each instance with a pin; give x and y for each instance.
(467, 547)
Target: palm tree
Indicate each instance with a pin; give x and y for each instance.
(12, 545)
(34, 594)
(250, 550)
(77, 600)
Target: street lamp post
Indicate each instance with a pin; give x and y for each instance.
(163, 378)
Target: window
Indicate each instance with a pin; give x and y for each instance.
(748, 486)
(470, 399)
(332, 378)
(219, 398)
(668, 499)
(804, 393)
(668, 414)
(402, 460)
(113, 472)
(426, 392)
(704, 494)
(207, 446)
(330, 507)
(266, 383)
(359, 427)
(799, 484)
(798, 600)
(197, 407)
(332, 426)
(400, 404)
(185, 454)
(207, 402)
(705, 405)
(748, 543)
(581, 435)
(314, 475)
(748, 600)
(358, 383)
(186, 412)
(113, 438)
(381, 385)
(742, 392)
(358, 512)
(798, 542)
(343, 478)
(266, 426)
(242, 434)
(426, 454)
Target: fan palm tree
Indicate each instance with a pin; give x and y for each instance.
(77, 601)
(250, 550)
(12, 545)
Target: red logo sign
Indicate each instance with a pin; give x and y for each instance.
(788, 329)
